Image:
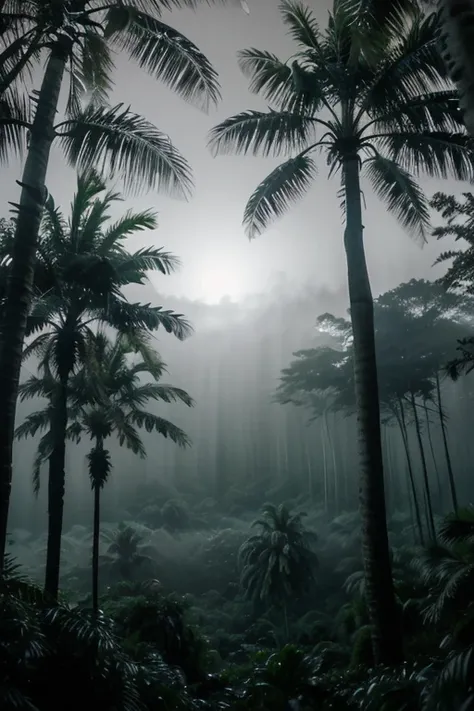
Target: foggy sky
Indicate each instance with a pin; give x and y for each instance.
(305, 247)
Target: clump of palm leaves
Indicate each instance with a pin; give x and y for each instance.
(278, 561)
(126, 553)
(448, 571)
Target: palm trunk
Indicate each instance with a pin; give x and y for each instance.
(22, 271)
(95, 551)
(404, 432)
(452, 484)
(56, 486)
(424, 468)
(383, 612)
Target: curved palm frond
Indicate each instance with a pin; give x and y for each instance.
(402, 194)
(166, 54)
(272, 132)
(271, 199)
(124, 316)
(127, 146)
(153, 423)
(269, 77)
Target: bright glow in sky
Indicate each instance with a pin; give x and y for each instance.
(218, 281)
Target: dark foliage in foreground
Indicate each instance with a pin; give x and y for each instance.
(143, 651)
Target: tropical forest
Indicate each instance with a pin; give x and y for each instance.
(217, 495)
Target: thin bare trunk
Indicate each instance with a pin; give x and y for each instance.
(404, 432)
(424, 469)
(452, 483)
(334, 463)
(379, 591)
(310, 474)
(20, 282)
(325, 468)
(433, 456)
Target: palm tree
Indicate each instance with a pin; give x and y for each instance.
(77, 38)
(387, 110)
(126, 551)
(110, 402)
(278, 562)
(90, 265)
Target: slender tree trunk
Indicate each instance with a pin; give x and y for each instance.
(452, 483)
(286, 622)
(95, 551)
(310, 474)
(334, 464)
(325, 469)
(433, 456)
(22, 271)
(424, 468)
(383, 612)
(56, 487)
(404, 432)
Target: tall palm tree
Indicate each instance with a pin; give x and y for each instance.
(117, 399)
(77, 39)
(90, 265)
(278, 561)
(386, 110)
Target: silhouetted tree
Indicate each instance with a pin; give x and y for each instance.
(111, 401)
(278, 562)
(365, 85)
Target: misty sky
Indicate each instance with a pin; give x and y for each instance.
(206, 233)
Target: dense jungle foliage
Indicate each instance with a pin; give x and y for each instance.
(271, 589)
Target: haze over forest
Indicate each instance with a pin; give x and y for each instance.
(236, 355)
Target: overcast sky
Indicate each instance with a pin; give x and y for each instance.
(206, 233)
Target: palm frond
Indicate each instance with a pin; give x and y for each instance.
(268, 133)
(129, 317)
(302, 24)
(96, 67)
(126, 226)
(438, 154)
(15, 117)
(271, 199)
(402, 195)
(132, 268)
(154, 391)
(122, 144)
(269, 77)
(33, 423)
(153, 423)
(167, 55)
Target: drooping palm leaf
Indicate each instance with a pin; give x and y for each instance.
(120, 143)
